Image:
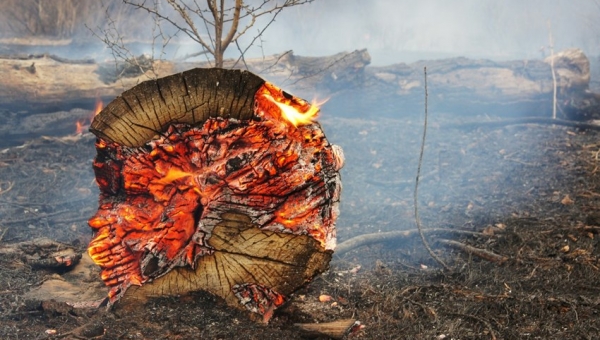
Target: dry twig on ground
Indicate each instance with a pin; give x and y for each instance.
(368, 239)
(481, 253)
(526, 120)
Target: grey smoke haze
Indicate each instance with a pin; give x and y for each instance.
(402, 31)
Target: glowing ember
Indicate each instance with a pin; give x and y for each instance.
(170, 202)
(192, 176)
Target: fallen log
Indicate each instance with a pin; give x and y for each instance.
(47, 83)
(43, 94)
(35, 84)
(474, 87)
(52, 83)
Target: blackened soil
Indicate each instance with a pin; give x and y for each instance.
(530, 192)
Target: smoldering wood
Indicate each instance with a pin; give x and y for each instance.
(243, 251)
(238, 201)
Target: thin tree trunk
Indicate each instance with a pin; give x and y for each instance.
(217, 13)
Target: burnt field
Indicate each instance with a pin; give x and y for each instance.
(511, 209)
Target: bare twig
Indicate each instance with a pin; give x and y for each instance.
(124, 59)
(224, 24)
(37, 217)
(255, 37)
(552, 68)
(8, 188)
(3, 233)
(416, 193)
(237, 45)
(527, 120)
(481, 253)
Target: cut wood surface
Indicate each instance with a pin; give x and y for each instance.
(243, 253)
(189, 97)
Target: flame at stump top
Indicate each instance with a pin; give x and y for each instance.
(249, 204)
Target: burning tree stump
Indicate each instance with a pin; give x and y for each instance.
(213, 180)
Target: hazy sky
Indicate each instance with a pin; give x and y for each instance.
(406, 30)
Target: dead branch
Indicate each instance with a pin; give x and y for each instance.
(554, 85)
(124, 59)
(278, 58)
(368, 239)
(416, 193)
(481, 253)
(3, 233)
(526, 120)
(191, 55)
(36, 217)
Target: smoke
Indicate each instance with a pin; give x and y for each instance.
(393, 31)
(403, 31)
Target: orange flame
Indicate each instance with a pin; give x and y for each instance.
(80, 124)
(78, 127)
(294, 116)
(287, 108)
(99, 106)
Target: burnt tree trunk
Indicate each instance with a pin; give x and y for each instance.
(206, 185)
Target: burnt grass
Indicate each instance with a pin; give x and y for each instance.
(530, 191)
